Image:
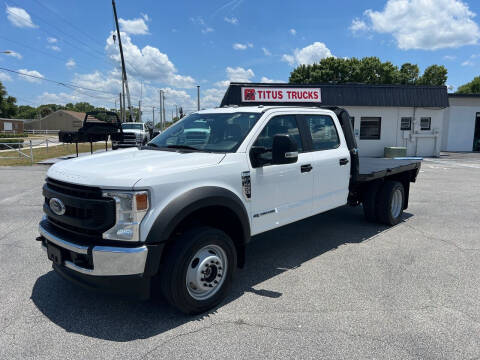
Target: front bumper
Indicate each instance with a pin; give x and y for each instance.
(97, 260)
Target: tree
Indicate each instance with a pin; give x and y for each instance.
(472, 87)
(368, 70)
(434, 75)
(26, 112)
(409, 74)
(8, 108)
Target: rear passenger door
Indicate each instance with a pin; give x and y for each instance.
(330, 160)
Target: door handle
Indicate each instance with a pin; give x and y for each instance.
(343, 161)
(306, 168)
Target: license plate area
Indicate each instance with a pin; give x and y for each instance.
(54, 254)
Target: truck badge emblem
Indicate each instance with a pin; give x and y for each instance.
(57, 206)
(246, 185)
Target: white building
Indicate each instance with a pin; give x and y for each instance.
(462, 123)
(382, 115)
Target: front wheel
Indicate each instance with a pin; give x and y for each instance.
(198, 270)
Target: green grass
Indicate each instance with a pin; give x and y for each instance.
(42, 153)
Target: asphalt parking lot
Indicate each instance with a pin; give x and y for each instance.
(332, 286)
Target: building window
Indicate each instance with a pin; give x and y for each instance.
(425, 123)
(370, 128)
(406, 123)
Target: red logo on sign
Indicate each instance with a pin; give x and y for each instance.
(249, 94)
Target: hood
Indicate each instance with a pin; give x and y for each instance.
(124, 168)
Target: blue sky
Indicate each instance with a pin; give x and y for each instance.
(177, 45)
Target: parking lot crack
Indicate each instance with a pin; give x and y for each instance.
(432, 237)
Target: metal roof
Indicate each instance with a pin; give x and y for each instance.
(354, 95)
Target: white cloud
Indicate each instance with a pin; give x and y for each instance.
(149, 63)
(70, 63)
(13, 54)
(239, 74)
(136, 26)
(266, 52)
(293, 31)
(5, 77)
(450, 57)
(211, 97)
(232, 20)
(54, 47)
(239, 46)
(199, 21)
(207, 30)
(52, 40)
(270, 81)
(358, 26)
(308, 55)
(427, 25)
(30, 72)
(19, 17)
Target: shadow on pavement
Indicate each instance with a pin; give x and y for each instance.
(108, 317)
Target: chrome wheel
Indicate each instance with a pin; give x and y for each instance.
(206, 272)
(397, 203)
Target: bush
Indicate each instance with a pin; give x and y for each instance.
(14, 142)
(7, 135)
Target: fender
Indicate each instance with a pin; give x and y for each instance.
(192, 200)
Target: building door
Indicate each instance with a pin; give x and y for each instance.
(476, 134)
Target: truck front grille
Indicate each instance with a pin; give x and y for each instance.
(87, 212)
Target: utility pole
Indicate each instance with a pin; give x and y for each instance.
(121, 112)
(198, 97)
(124, 71)
(153, 116)
(160, 108)
(124, 107)
(176, 111)
(163, 108)
(140, 110)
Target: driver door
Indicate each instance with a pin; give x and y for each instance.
(281, 194)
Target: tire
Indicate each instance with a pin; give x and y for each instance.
(392, 192)
(198, 248)
(370, 200)
(114, 147)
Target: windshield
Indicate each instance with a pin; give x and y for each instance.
(208, 132)
(138, 126)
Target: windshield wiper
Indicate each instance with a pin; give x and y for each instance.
(152, 145)
(185, 147)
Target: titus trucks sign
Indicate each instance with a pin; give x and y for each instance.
(283, 95)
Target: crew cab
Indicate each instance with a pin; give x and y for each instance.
(134, 134)
(176, 215)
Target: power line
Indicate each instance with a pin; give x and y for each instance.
(42, 52)
(87, 48)
(69, 23)
(66, 84)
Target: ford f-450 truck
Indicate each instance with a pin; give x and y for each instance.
(176, 215)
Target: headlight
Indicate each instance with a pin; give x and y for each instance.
(130, 208)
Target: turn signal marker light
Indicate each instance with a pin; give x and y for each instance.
(142, 201)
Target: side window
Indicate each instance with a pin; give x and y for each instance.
(283, 124)
(370, 128)
(323, 132)
(425, 123)
(406, 123)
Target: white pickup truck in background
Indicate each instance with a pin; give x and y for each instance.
(134, 134)
(175, 216)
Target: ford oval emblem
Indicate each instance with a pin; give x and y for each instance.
(57, 206)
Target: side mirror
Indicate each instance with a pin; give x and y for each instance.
(284, 150)
(255, 156)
